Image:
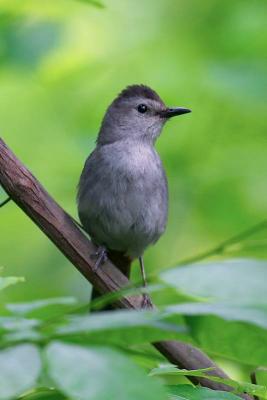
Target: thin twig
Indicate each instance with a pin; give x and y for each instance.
(223, 246)
(5, 202)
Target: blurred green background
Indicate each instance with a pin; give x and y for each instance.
(62, 62)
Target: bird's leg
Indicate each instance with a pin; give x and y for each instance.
(147, 303)
(100, 256)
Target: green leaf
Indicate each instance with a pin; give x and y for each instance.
(17, 323)
(42, 394)
(20, 368)
(123, 327)
(11, 280)
(44, 307)
(237, 341)
(28, 335)
(261, 376)
(241, 305)
(99, 374)
(189, 392)
(162, 292)
(219, 337)
(110, 297)
(172, 370)
(242, 387)
(240, 281)
(256, 315)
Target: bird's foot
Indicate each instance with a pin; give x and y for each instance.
(146, 302)
(100, 257)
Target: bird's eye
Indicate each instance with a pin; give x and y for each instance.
(142, 108)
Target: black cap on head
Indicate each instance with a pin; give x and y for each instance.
(139, 91)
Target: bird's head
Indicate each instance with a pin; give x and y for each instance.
(137, 113)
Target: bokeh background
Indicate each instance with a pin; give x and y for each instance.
(61, 64)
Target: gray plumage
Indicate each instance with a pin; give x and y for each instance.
(123, 193)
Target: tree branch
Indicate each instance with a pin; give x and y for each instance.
(59, 227)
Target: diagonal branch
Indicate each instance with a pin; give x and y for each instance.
(59, 227)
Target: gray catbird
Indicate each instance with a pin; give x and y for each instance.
(123, 192)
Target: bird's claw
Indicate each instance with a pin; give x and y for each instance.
(146, 302)
(100, 256)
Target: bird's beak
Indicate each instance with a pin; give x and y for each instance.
(172, 112)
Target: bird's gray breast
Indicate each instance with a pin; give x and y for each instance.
(123, 197)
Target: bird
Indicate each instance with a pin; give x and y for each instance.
(123, 190)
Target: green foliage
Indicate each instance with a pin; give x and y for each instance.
(120, 327)
(260, 376)
(241, 342)
(45, 308)
(187, 392)
(238, 281)
(78, 348)
(94, 378)
(234, 306)
(254, 390)
(20, 368)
